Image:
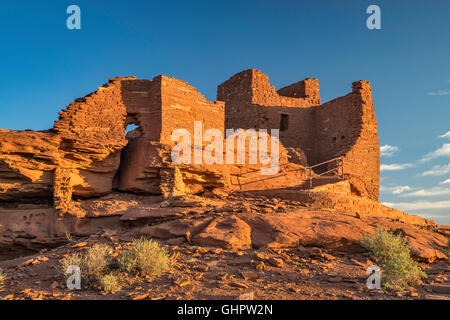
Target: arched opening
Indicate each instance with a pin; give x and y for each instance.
(130, 127)
(132, 133)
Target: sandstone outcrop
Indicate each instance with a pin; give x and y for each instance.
(299, 228)
(228, 232)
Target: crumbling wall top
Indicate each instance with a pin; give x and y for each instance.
(253, 86)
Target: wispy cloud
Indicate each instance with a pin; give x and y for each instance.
(434, 215)
(437, 170)
(400, 189)
(419, 205)
(395, 166)
(395, 189)
(443, 151)
(436, 191)
(388, 151)
(439, 93)
(445, 182)
(445, 135)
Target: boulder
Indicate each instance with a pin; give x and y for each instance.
(228, 232)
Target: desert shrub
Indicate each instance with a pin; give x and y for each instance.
(144, 257)
(447, 250)
(71, 260)
(398, 268)
(98, 268)
(94, 263)
(111, 283)
(384, 244)
(69, 237)
(2, 278)
(401, 271)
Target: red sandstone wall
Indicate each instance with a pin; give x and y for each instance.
(252, 102)
(164, 104)
(146, 165)
(182, 104)
(92, 130)
(347, 127)
(308, 88)
(246, 93)
(142, 99)
(98, 118)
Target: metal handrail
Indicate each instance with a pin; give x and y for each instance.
(309, 173)
(339, 169)
(259, 169)
(322, 163)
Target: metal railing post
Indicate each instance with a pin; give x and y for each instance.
(339, 161)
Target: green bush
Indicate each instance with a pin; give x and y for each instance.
(384, 244)
(398, 268)
(94, 263)
(144, 257)
(401, 271)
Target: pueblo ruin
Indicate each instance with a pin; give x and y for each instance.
(88, 173)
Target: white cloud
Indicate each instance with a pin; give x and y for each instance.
(445, 135)
(395, 166)
(439, 93)
(445, 182)
(437, 170)
(443, 151)
(388, 151)
(395, 189)
(419, 205)
(436, 191)
(400, 189)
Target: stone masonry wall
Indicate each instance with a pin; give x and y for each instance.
(252, 102)
(92, 132)
(182, 104)
(138, 172)
(345, 126)
(81, 155)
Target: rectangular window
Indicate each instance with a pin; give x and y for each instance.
(284, 122)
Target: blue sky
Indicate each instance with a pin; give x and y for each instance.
(45, 66)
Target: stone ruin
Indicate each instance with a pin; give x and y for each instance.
(47, 178)
(87, 153)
